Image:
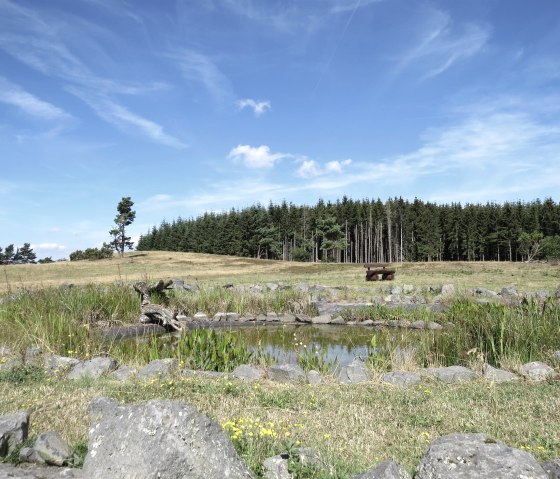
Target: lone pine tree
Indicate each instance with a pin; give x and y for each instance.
(124, 218)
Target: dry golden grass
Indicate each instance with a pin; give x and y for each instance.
(216, 270)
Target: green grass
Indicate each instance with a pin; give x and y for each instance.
(352, 427)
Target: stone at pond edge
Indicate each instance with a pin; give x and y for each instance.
(498, 375)
(164, 439)
(476, 456)
(13, 431)
(314, 377)
(355, 372)
(58, 365)
(157, 368)
(536, 371)
(451, 374)
(93, 368)
(52, 449)
(248, 372)
(288, 373)
(386, 470)
(401, 379)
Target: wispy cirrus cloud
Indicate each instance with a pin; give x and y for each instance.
(259, 157)
(199, 68)
(121, 117)
(258, 107)
(14, 95)
(442, 44)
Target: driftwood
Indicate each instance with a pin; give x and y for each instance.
(157, 313)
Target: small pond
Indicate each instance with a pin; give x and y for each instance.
(342, 344)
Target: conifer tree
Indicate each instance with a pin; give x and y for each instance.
(124, 218)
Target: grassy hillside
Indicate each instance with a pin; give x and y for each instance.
(214, 269)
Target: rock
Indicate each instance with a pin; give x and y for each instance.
(200, 317)
(433, 326)
(58, 365)
(556, 356)
(33, 356)
(232, 317)
(417, 324)
(276, 467)
(123, 373)
(287, 318)
(52, 449)
(401, 379)
(288, 373)
(28, 454)
(386, 470)
(552, 468)
(94, 368)
(498, 375)
(163, 439)
(542, 295)
(28, 471)
(314, 377)
(355, 372)
(396, 290)
(13, 431)
(6, 352)
(367, 322)
(272, 286)
(177, 283)
(509, 291)
(536, 371)
(248, 372)
(157, 368)
(338, 320)
(272, 317)
(307, 456)
(476, 456)
(447, 290)
(219, 317)
(485, 292)
(256, 288)
(191, 288)
(303, 318)
(304, 287)
(408, 288)
(451, 374)
(322, 319)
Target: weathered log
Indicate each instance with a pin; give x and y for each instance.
(156, 313)
(145, 291)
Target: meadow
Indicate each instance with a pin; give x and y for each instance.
(353, 426)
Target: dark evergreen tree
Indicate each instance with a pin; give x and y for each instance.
(124, 218)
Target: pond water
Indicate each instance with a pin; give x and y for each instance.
(340, 344)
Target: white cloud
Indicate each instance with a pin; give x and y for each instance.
(312, 169)
(442, 44)
(341, 6)
(41, 247)
(12, 94)
(256, 157)
(259, 107)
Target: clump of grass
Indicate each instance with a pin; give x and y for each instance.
(22, 374)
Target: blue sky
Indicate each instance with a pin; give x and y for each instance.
(204, 105)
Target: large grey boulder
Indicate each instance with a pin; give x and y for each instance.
(552, 468)
(386, 470)
(355, 372)
(93, 368)
(536, 371)
(58, 365)
(158, 439)
(123, 373)
(469, 456)
(52, 449)
(287, 373)
(451, 374)
(13, 431)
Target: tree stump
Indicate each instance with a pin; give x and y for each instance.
(157, 313)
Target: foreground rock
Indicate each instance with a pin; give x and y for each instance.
(13, 431)
(29, 471)
(465, 456)
(163, 439)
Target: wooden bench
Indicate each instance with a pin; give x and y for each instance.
(374, 270)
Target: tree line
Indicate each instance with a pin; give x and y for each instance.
(22, 255)
(361, 231)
